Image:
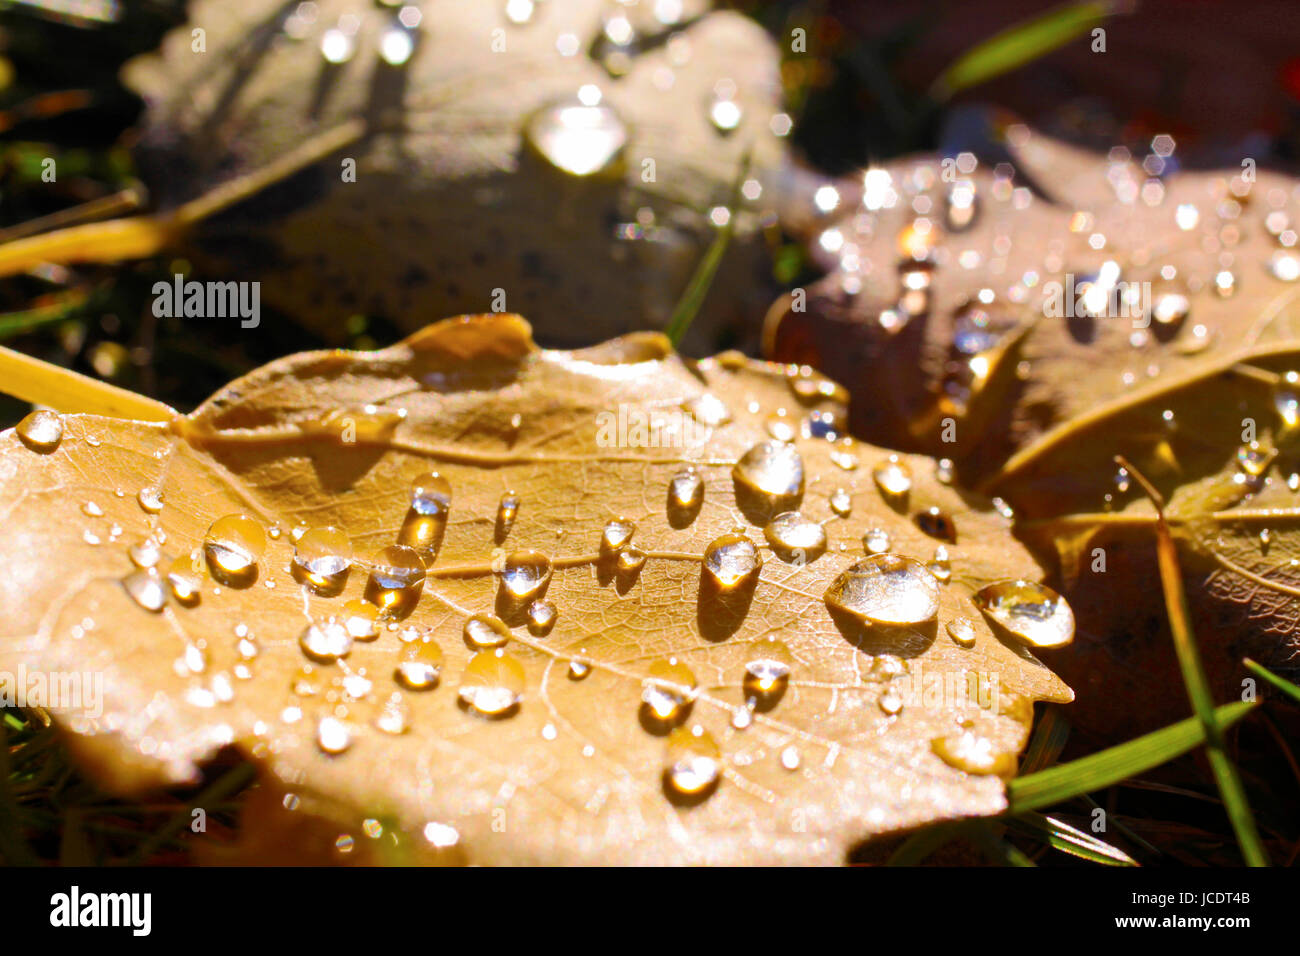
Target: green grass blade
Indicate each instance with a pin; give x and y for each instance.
(1101, 770)
(13, 847)
(224, 786)
(924, 843)
(1020, 44)
(1281, 683)
(998, 850)
(1049, 739)
(1061, 836)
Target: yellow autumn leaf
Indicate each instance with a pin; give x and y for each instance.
(528, 606)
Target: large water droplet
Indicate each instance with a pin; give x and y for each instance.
(617, 535)
(693, 764)
(973, 753)
(41, 430)
(937, 524)
(420, 666)
(484, 631)
(322, 557)
(1034, 614)
(396, 579)
(841, 503)
(493, 683)
(796, 538)
(232, 547)
(875, 541)
(732, 561)
(361, 618)
(962, 631)
(525, 575)
(577, 138)
(886, 589)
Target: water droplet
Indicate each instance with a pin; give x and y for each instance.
(1225, 284)
(396, 579)
(875, 541)
(541, 618)
(962, 631)
(944, 471)
(937, 524)
(893, 479)
(325, 641)
(773, 472)
(361, 620)
(577, 138)
(420, 666)
(578, 669)
(694, 763)
(431, 494)
(685, 496)
(394, 716)
(890, 702)
(962, 206)
(767, 673)
(668, 691)
(1287, 402)
(145, 553)
(41, 430)
(333, 736)
(185, 580)
(1123, 480)
(790, 758)
(725, 113)
(483, 631)
(507, 511)
(1030, 612)
(886, 589)
(1253, 459)
(92, 510)
(631, 560)
(232, 547)
(1170, 309)
(617, 535)
(150, 500)
(145, 587)
(794, 537)
(973, 753)
(525, 575)
(322, 557)
(732, 561)
(493, 683)
(708, 410)
(940, 565)
(841, 503)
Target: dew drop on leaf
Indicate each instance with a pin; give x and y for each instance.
(616, 535)
(1031, 612)
(962, 632)
(668, 690)
(325, 641)
(577, 138)
(484, 631)
(430, 494)
(886, 589)
(541, 618)
(893, 479)
(233, 546)
(41, 430)
(145, 587)
(937, 524)
(693, 764)
(493, 683)
(772, 471)
(333, 736)
(973, 753)
(875, 541)
(731, 561)
(322, 556)
(420, 666)
(767, 673)
(841, 503)
(525, 575)
(792, 535)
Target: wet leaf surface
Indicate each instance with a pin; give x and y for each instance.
(588, 653)
(503, 149)
(1181, 356)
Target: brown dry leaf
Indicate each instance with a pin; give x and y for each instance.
(455, 201)
(1033, 406)
(575, 770)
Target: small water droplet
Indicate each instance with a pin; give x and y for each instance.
(708, 410)
(41, 430)
(507, 511)
(841, 503)
(940, 565)
(484, 631)
(796, 538)
(893, 479)
(962, 631)
(578, 669)
(1030, 612)
(145, 587)
(890, 702)
(685, 496)
(973, 753)
(1253, 459)
(394, 716)
(875, 541)
(767, 673)
(943, 471)
(668, 691)
(420, 666)
(322, 557)
(732, 561)
(145, 553)
(790, 758)
(1284, 265)
(361, 619)
(325, 641)
(232, 547)
(617, 535)
(631, 560)
(541, 618)
(150, 500)
(694, 763)
(431, 494)
(333, 736)
(493, 683)
(886, 589)
(937, 524)
(185, 579)
(525, 575)
(396, 579)
(1170, 309)
(92, 510)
